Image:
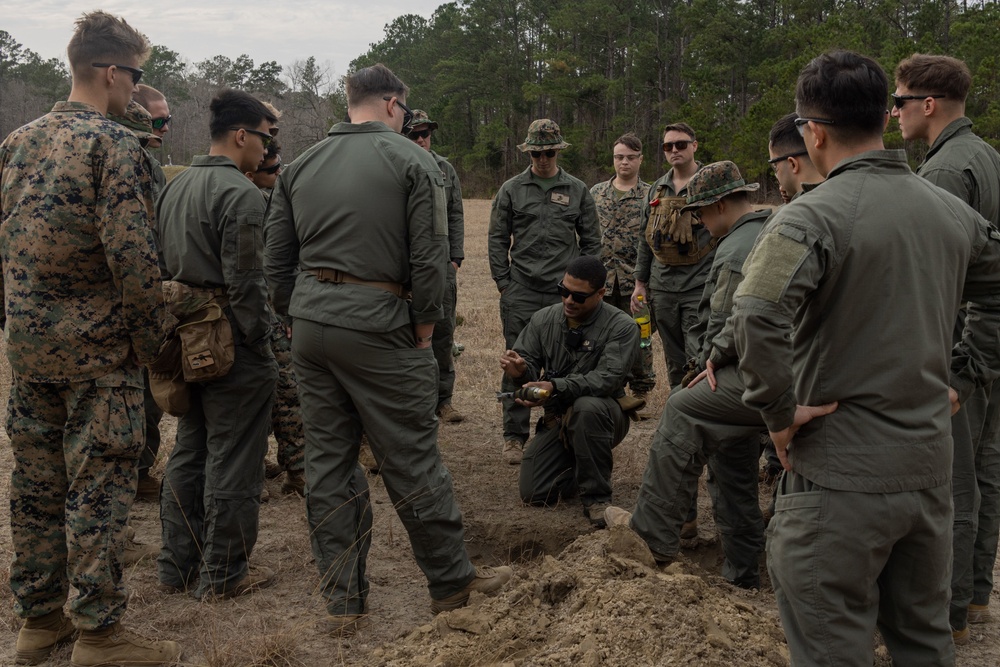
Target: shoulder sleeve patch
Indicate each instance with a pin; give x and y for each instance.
(772, 264)
(440, 199)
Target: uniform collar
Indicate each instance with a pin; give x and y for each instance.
(956, 127)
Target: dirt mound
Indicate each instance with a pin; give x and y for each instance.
(601, 602)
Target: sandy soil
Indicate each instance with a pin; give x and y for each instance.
(579, 597)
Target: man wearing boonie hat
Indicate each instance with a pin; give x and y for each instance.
(707, 422)
(419, 132)
(541, 220)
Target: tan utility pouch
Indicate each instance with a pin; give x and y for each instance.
(166, 380)
(630, 405)
(207, 348)
(665, 216)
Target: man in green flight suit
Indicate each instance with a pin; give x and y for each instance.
(372, 245)
(210, 228)
(419, 132)
(586, 349)
(706, 422)
(540, 221)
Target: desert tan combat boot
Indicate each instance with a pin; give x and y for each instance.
(487, 580)
(39, 637)
(114, 645)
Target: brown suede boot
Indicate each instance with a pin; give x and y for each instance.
(114, 645)
(39, 637)
(294, 483)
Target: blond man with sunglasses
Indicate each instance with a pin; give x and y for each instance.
(540, 221)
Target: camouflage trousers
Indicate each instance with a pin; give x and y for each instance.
(76, 448)
(642, 377)
(286, 420)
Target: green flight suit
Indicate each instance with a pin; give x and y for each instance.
(382, 219)
(700, 426)
(209, 221)
(674, 291)
(969, 168)
(534, 234)
(571, 450)
(444, 330)
(873, 259)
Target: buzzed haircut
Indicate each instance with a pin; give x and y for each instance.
(376, 81)
(785, 138)
(935, 75)
(235, 108)
(589, 268)
(681, 127)
(146, 95)
(630, 141)
(847, 88)
(102, 37)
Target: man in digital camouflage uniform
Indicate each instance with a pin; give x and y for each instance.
(619, 203)
(874, 258)
(82, 311)
(372, 249)
(586, 348)
(419, 132)
(929, 104)
(210, 220)
(707, 422)
(286, 417)
(540, 221)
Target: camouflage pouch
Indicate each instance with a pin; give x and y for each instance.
(669, 231)
(166, 379)
(207, 347)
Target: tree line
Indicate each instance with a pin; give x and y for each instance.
(484, 69)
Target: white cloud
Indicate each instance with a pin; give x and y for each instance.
(280, 30)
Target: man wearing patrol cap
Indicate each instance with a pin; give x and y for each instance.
(541, 220)
(707, 421)
(444, 331)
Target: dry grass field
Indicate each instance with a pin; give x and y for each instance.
(587, 604)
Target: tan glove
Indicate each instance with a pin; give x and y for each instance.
(679, 227)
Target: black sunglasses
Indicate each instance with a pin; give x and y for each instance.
(160, 123)
(781, 158)
(680, 145)
(422, 134)
(549, 153)
(579, 297)
(407, 112)
(134, 71)
(273, 169)
(802, 121)
(899, 100)
(265, 138)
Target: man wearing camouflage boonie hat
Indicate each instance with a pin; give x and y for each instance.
(535, 223)
(707, 422)
(419, 132)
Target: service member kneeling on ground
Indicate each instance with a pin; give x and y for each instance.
(707, 422)
(586, 349)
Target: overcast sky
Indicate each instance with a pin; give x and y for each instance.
(334, 31)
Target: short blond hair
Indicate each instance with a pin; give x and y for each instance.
(102, 37)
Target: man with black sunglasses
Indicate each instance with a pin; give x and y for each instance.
(929, 104)
(156, 104)
(540, 221)
(419, 132)
(586, 348)
(83, 311)
(789, 159)
(210, 221)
